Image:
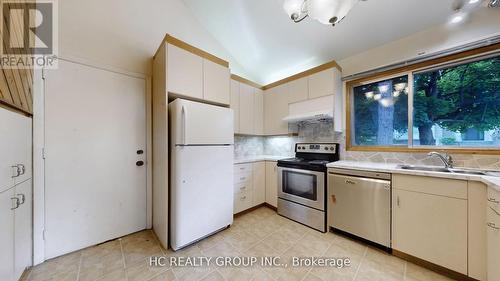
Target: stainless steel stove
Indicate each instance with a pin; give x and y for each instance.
(302, 183)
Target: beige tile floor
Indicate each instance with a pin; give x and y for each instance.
(259, 233)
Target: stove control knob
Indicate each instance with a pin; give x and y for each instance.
(299, 147)
(332, 148)
(326, 148)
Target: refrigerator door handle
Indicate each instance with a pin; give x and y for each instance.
(184, 117)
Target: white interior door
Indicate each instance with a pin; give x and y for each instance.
(95, 123)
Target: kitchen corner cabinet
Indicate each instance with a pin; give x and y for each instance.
(272, 183)
(493, 234)
(429, 220)
(275, 109)
(258, 125)
(247, 103)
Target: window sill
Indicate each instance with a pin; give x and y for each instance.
(478, 151)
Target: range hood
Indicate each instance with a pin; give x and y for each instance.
(309, 116)
(310, 110)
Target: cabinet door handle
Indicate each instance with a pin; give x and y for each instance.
(16, 171)
(494, 211)
(493, 200)
(16, 202)
(243, 187)
(243, 198)
(22, 169)
(242, 178)
(397, 201)
(492, 225)
(23, 198)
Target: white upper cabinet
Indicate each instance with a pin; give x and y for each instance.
(258, 124)
(275, 109)
(321, 84)
(216, 82)
(184, 73)
(246, 109)
(235, 104)
(298, 90)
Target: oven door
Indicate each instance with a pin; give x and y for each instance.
(302, 186)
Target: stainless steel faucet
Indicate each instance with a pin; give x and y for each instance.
(446, 158)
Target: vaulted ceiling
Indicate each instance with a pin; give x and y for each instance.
(260, 36)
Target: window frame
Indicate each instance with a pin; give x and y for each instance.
(410, 70)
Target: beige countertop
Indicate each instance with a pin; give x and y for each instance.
(491, 181)
(258, 158)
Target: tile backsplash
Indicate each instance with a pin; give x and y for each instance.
(246, 146)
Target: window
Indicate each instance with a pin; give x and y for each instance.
(381, 112)
(452, 106)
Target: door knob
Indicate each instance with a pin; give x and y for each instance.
(139, 163)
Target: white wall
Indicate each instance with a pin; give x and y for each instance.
(125, 34)
(483, 24)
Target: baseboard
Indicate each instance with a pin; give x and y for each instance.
(255, 208)
(431, 266)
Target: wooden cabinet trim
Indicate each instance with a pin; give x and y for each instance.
(308, 72)
(246, 81)
(192, 49)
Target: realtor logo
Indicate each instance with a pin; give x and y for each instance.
(29, 33)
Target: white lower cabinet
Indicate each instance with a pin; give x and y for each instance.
(272, 183)
(429, 220)
(16, 234)
(493, 234)
(249, 185)
(23, 230)
(7, 235)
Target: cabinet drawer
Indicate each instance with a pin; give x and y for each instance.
(242, 201)
(430, 185)
(493, 199)
(242, 177)
(243, 187)
(242, 168)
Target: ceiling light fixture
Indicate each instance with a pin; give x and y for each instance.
(324, 11)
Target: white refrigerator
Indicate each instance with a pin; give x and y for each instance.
(201, 171)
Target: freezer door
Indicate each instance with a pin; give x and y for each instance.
(201, 192)
(194, 123)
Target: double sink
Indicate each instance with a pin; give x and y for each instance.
(476, 172)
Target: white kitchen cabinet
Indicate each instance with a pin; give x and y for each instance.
(259, 183)
(15, 148)
(258, 125)
(216, 87)
(275, 109)
(235, 104)
(23, 230)
(321, 83)
(7, 235)
(16, 235)
(476, 230)
(493, 234)
(246, 109)
(272, 183)
(432, 227)
(298, 90)
(243, 187)
(185, 73)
